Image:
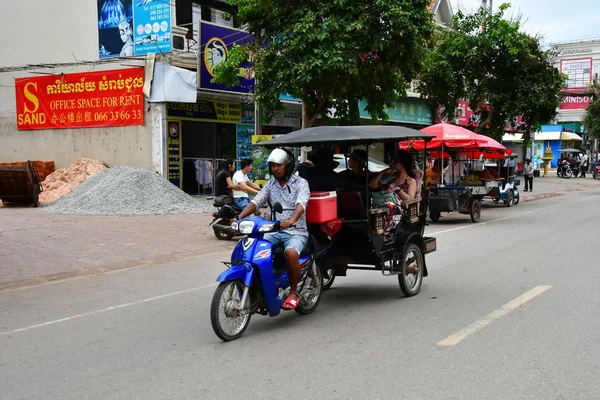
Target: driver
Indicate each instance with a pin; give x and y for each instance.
(292, 192)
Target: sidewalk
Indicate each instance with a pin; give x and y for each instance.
(36, 247)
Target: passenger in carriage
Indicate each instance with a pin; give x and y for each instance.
(357, 172)
(322, 177)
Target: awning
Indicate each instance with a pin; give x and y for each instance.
(509, 137)
(542, 136)
(571, 136)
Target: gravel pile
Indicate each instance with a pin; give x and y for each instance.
(127, 191)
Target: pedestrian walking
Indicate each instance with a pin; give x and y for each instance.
(528, 174)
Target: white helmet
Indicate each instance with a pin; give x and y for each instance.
(284, 157)
(278, 156)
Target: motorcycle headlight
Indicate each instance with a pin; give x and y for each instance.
(235, 226)
(267, 228)
(246, 227)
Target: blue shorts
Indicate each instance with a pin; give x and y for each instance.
(241, 202)
(295, 242)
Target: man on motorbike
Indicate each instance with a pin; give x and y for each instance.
(292, 192)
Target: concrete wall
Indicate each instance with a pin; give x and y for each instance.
(137, 146)
(50, 31)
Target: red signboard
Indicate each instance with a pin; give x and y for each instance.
(465, 117)
(84, 100)
(572, 102)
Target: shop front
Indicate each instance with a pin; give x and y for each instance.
(200, 136)
(408, 111)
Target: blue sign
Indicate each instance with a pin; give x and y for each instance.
(215, 43)
(152, 26)
(285, 96)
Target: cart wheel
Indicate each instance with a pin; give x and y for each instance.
(36, 196)
(411, 277)
(434, 216)
(510, 197)
(516, 199)
(328, 275)
(475, 210)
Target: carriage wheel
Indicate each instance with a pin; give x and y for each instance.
(475, 210)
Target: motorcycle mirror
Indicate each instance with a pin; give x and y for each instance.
(278, 208)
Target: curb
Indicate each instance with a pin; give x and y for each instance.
(80, 273)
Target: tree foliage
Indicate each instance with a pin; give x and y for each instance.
(591, 118)
(331, 53)
(503, 73)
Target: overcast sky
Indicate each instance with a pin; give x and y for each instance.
(555, 20)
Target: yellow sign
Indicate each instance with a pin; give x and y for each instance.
(207, 110)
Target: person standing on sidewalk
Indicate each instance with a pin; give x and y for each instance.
(583, 164)
(528, 174)
(240, 178)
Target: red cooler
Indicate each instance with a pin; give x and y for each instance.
(322, 207)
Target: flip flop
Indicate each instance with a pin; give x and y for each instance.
(290, 303)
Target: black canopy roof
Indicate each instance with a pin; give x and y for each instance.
(361, 134)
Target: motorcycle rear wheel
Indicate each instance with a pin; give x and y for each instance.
(222, 235)
(227, 321)
(595, 175)
(310, 291)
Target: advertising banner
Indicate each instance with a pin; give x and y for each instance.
(127, 29)
(174, 151)
(215, 43)
(260, 155)
(207, 110)
(83, 100)
(244, 135)
(152, 22)
(579, 77)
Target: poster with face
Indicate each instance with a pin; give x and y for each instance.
(115, 30)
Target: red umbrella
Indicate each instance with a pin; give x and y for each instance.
(490, 144)
(446, 135)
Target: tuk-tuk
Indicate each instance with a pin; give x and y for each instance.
(355, 238)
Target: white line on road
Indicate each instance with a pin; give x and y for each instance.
(87, 314)
(507, 217)
(459, 336)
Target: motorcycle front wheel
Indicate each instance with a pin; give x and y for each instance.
(595, 175)
(228, 317)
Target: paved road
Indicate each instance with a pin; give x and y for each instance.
(509, 311)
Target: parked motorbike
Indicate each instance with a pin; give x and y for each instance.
(257, 282)
(565, 170)
(596, 171)
(222, 220)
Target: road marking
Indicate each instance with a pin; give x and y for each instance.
(459, 336)
(505, 218)
(87, 314)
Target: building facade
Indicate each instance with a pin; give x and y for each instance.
(129, 83)
(580, 61)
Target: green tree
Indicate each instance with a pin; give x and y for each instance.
(331, 53)
(501, 71)
(591, 118)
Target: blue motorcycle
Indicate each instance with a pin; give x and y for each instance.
(256, 281)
